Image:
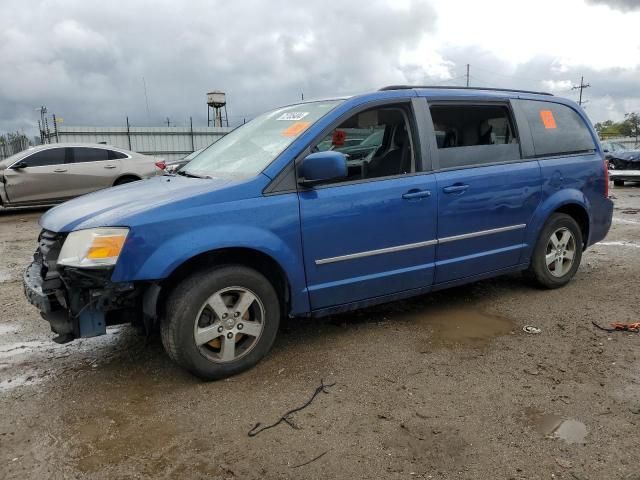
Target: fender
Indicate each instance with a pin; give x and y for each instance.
(177, 250)
(565, 196)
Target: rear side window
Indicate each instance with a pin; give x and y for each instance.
(556, 129)
(113, 155)
(84, 154)
(51, 156)
(469, 135)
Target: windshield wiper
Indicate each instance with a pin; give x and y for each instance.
(184, 173)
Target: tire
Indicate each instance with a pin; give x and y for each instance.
(123, 180)
(618, 183)
(196, 311)
(556, 274)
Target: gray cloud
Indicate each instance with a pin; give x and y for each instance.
(87, 64)
(612, 93)
(624, 5)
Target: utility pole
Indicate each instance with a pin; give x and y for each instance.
(146, 99)
(582, 86)
(468, 75)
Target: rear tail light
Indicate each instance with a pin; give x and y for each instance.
(606, 178)
(161, 165)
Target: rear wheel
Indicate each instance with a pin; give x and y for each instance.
(558, 251)
(221, 322)
(618, 183)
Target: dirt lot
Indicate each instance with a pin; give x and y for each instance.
(444, 386)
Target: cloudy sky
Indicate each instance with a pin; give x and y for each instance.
(86, 60)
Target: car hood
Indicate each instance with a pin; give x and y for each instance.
(119, 206)
(629, 155)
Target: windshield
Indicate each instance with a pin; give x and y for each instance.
(247, 150)
(193, 155)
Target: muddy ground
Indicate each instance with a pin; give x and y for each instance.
(443, 386)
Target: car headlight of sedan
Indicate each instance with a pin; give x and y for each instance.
(93, 248)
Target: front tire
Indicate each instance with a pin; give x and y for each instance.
(558, 251)
(219, 323)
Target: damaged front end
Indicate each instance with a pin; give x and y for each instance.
(624, 166)
(81, 302)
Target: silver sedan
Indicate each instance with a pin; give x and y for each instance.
(50, 174)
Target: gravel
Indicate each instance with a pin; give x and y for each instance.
(444, 386)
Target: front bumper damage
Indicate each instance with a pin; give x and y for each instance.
(80, 303)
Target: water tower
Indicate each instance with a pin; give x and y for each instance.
(217, 101)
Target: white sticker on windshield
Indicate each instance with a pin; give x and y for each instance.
(292, 116)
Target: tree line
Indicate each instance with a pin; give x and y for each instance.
(11, 138)
(626, 128)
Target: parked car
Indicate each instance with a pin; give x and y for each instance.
(50, 174)
(624, 163)
(175, 165)
(262, 225)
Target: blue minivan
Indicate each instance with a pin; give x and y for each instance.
(323, 207)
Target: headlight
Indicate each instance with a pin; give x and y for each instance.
(95, 247)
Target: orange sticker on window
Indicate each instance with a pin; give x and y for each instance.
(547, 119)
(295, 128)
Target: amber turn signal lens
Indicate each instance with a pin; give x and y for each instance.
(106, 247)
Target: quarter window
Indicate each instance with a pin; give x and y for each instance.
(556, 129)
(113, 155)
(50, 156)
(468, 135)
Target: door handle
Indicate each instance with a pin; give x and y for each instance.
(60, 170)
(458, 188)
(411, 194)
(109, 166)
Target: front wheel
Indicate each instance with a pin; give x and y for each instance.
(221, 322)
(558, 251)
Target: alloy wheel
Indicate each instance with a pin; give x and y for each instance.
(229, 324)
(560, 252)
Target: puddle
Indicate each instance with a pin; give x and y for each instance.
(25, 363)
(625, 221)
(6, 329)
(8, 384)
(462, 326)
(619, 244)
(571, 431)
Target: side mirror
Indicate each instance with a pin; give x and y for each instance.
(20, 165)
(321, 167)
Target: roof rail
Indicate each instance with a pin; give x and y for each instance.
(444, 87)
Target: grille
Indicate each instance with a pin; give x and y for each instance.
(49, 245)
